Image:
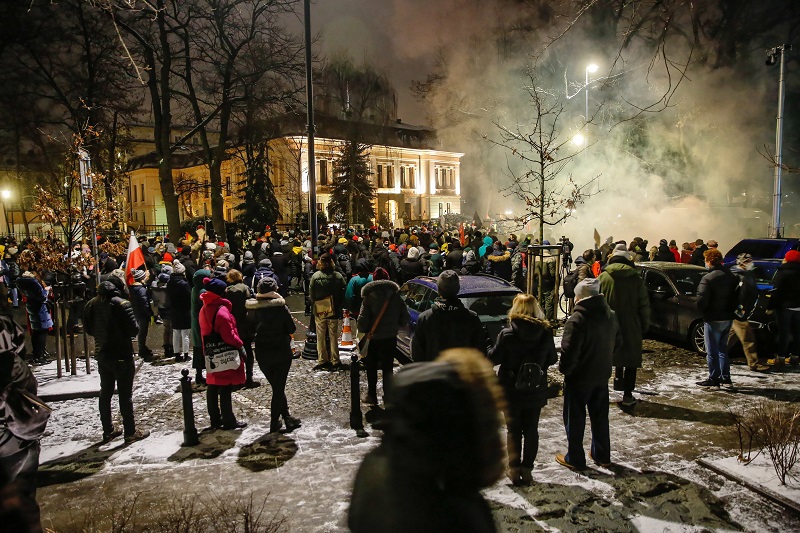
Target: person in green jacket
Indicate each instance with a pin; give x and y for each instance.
(326, 282)
(198, 360)
(622, 285)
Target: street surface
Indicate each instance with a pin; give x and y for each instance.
(306, 476)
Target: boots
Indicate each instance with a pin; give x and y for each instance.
(168, 351)
(292, 423)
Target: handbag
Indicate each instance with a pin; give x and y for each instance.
(26, 414)
(363, 344)
(219, 355)
(324, 308)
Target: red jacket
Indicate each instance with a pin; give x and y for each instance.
(225, 325)
(676, 253)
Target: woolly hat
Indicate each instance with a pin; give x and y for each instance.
(380, 273)
(792, 256)
(620, 251)
(662, 242)
(211, 246)
(265, 263)
(448, 284)
(342, 240)
(744, 259)
(163, 277)
(248, 256)
(138, 275)
(587, 288)
(178, 268)
(217, 286)
(267, 284)
(413, 253)
(167, 257)
(166, 269)
(433, 246)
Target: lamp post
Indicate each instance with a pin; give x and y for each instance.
(772, 58)
(590, 69)
(6, 194)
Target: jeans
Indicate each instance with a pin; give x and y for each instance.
(220, 405)
(625, 379)
(120, 372)
(277, 374)
(523, 434)
(716, 337)
(141, 338)
(788, 332)
(380, 355)
(577, 400)
(328, 328)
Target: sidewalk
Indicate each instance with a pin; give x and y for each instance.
(656, 483)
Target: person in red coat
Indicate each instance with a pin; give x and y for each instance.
(216, 316)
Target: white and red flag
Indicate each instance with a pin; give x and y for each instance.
(134, 260)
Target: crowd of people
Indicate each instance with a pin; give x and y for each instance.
(222, 306)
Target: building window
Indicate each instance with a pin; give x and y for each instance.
(136, 216)
(403, 183)
(207, 189)
(134, 194)
(412, 178)
(389, 177)
(230, 212)
(441, 209)
(141, 196)
(379, 176)
(323, 172)
(448, 208)
(227, 187)
(319, 207)
(438, 176)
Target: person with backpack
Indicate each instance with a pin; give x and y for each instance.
(747, 294)
(583, 270)
(524, 350)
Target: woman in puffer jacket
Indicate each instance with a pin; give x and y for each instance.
(527, 339)
(273, 325)
(216, 316)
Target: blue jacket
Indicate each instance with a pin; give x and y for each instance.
(36, 303)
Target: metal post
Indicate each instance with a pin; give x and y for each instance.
(190, 437)
(312, 173)
(58, 339)
(86, 352)
(356, 422)
(776, 197)
(85, 166)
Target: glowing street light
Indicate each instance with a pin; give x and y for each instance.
(590, 69)
(6, 194)
(578, 139)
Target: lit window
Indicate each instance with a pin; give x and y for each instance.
(323, 172)
(142, 195)
(389, 177)
(134, 194)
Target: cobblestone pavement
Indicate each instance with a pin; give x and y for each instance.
(306, 476)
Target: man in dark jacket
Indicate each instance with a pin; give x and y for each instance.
(455, 258)
(664, 253)
(716, 300)
(140, 302)
(110, 320)
(447, 324)
(591, 337)
(785, 300)
(697, 254)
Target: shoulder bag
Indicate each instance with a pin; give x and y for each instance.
(219, 355)
(363, 346)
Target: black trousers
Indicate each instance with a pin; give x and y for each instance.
(18, 480)
(625, 379)
(220, 405)
(522, 439)
(141, 337)
(117, 372)
(38, 342)
(380, 355)
(277, 373)
(577, 401)
(249, 359)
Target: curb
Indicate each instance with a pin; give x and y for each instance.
(64, 396)
(755, 487)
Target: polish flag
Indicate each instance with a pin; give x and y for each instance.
(134, 260)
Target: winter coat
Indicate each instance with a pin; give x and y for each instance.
(238, 294)
(36, 303)
(716, 294)
(675, 253)
(499, 264)
(352, 295)
(748, 290)
(786, 285)
(110, 319)
(158, 290)
(272, 325)
(697, 256)
(435, 264)
(447, 324)
(546, 271)
(590, 341)
(196, 305)
(584, 269)
(664, 254)
(261, 272)
(328, 283)
(410, 269)
(525, 340)
(179, 293)
(382, 259)
(189, 264)
(216, 312)
(140, 301)
(15, 374)
(486, 248)
(281, 271)
(625, 292)
(454, 260)
(374, 295)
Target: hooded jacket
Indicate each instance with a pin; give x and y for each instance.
(36, 297)
(216, 314)
(786, 284)
(111, 321)
(374, 295)
(499, 264)
(487, 246)
(326, 283)
(411, 268)
(272, 325)
(238, 294)
(197, 304)
(590, 340)
(447, 324)
(352, 294)
(525, 340)
(716, 294)
(624, 290)
(179, 293)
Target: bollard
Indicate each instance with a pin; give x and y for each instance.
(310, 346)
(189, 430)
(356, 421)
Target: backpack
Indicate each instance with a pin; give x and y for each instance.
(529, 377)
(344, 264)
(571, 281)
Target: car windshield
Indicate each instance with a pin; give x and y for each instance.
(686, 281)
(759, 249)
(490, 307)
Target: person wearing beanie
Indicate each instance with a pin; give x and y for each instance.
(140, 300)
(716, 300)
(216, 317)
(380, 298)
(179, 298)
(664, 252)
(326, 292)
(624, 290)
(589, 343)
(411, 266)
(35, 293)
(352, 294)
(435, 260)
(785, 300)
(198, 359)
(697, 254)
(746, 271)
(272, 326)
(238, 293)
(158, 291)
(221, 269)
(447, 324)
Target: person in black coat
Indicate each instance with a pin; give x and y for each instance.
(140, 301)
(528, 340)
(411, 266)
(697, 255)
(455, 257)
(716, 300)
(179, 293)
(664, 253)
(591, 336)
(273, 325)
(785, 300)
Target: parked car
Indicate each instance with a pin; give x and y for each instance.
(488, 296)
(672, 288)
(767, 256)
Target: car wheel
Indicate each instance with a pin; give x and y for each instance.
(697, 339)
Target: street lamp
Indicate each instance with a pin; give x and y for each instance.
(772, 58)
(590, 69)
(6, 194)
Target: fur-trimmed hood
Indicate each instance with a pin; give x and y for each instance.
(499, 257)
(381, 285)
(264, 301)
